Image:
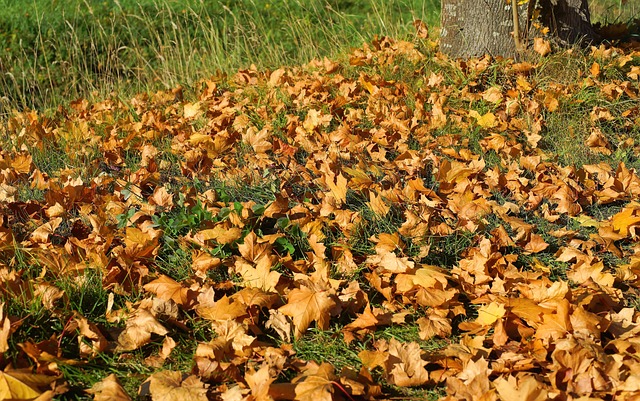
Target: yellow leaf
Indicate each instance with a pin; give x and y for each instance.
(587, 221)
(626, 218)
(191, 110)
(488, 314)
(13, 389)
(487, 120)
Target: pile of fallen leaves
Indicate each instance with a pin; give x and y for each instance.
(325, 196)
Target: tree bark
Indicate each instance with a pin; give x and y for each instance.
(472, 28)
(568, 20)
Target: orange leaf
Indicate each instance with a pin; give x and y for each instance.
(315, 383)
(541, 46)
(5, 330)
(259, 383)
(167, 288)
(405, 367)
(223, 309)
(251, 250)
(526, 388)
(306, 305)
(625, 219)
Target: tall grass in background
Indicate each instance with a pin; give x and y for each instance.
(52, 52)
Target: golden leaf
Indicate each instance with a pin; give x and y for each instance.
(306, 305)
(488, 314)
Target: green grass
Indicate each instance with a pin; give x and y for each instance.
(55, 51)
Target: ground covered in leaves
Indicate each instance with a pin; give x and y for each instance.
(394, 224)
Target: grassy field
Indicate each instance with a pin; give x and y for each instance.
(353, 217)
(54, 51)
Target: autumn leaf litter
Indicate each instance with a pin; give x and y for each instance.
(329, 196)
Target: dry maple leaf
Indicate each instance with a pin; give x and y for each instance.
(89, 331)
(220, 233)
(168, 344)
(280, 324)
(223, 309)
(5, 330)
(138, 331)
(541, 46)
(525, 388)
(305, 305)
(233, 333)
(13, 389)
(171, 386)
(405, 366)
(315, 383)
(422, 31)
(487, 120)
(435, 324)
(473, 382)
(253, 251)
(624, 220)
(261, 276)
(42, 233)
(167, 288)
(259, 382)
(109, 389)
(488, 314)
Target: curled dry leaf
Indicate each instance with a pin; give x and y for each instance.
(140, 326)
(5, 329)
(109, 389)
(173, 386)
(315, 383)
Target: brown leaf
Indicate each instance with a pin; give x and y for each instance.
(405, 366)
(108, 389)
(251, 250)
(259, 382)
(5, 330)
(422, 31)
(541, 46)
(306, 305)
(435, 324)
(315, 383)
(171, 386)
(167, 288)
(140, 326)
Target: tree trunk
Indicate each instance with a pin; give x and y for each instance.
(471, 28)
(568, 20)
